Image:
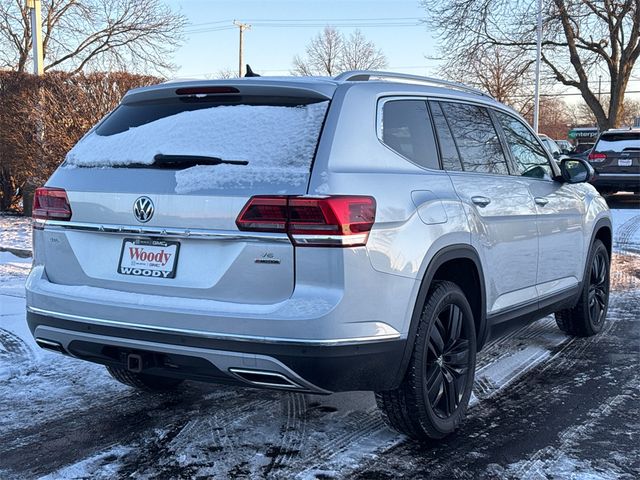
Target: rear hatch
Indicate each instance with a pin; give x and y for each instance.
(617, 152)
(156, 187)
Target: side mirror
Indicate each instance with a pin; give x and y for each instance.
(576, 170)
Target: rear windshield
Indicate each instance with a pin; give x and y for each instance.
(618, 142)
(278, 139)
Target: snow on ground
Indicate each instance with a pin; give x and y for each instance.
(15, 232)
(278, 142)
(61, 418)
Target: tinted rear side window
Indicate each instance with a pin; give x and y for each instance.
(448, 151)
(476, 138)
(406, 129)
(618, 142)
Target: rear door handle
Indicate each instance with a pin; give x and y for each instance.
(481, 201)
(541, 201)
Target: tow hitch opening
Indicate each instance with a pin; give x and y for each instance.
(134, 362)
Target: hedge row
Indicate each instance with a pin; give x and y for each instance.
(42, 117)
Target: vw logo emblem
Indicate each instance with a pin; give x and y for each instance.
(143, 209)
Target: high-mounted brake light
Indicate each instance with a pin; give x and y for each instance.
(51, 204)
(597, 157)
(205, 90)
(335, 221)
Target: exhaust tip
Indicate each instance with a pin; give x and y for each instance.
(265, 379)
(51, 345)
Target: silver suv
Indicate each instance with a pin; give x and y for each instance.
(363, 232)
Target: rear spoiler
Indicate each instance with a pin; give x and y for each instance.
(318, 89)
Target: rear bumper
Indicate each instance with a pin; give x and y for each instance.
(621, 181)
(373, 365)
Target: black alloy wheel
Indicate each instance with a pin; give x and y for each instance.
(598, 288)
(447, 361)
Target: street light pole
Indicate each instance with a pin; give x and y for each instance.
(536, 100)
(242, 27)
(35, 10)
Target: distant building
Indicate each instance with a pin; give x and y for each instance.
(583, 138)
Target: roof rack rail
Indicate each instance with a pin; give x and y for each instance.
(366, 75)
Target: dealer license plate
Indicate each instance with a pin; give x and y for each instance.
(624, 162)
(148, 258)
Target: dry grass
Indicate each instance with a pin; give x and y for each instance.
(625, 271)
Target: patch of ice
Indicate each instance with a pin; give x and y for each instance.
(86, 468)
(562, 466)
(278, 142)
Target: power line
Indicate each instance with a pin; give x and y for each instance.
(264, 24)
(312, 20)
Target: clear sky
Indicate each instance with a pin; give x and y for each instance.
(282, 28)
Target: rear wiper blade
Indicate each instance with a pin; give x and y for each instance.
(185, 161)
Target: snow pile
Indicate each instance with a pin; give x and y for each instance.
(278, 142)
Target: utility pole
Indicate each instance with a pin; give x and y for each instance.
(242, 27)
(35, 10)
(599, 86)
(536, 99)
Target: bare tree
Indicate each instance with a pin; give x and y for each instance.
(322, 54)
(630, 112)
(579, 37)
(498, 71)
(581, 114)
(502, 73)
(226, 74)
(359, 53)
(136, 35)
(329, 53)
(555, 119)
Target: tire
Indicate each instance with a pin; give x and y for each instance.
(587, 317)
(432, 399)
(143, 381)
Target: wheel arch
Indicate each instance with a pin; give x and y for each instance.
(447, 264)
(603, 231)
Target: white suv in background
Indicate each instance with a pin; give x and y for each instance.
(364, 232)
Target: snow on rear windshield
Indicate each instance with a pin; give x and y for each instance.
(278, 142)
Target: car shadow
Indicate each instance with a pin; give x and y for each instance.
(623, 200)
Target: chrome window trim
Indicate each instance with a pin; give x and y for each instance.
(213, 335)
(164, 232)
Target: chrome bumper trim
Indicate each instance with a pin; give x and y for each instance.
(216, 336)
(164, 232)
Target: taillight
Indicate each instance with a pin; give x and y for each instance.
(597, 157)
(51, 204)
(336, 221)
